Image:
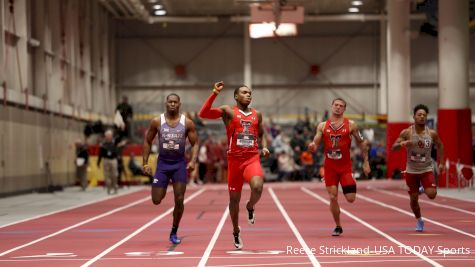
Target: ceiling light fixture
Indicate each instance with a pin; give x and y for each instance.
(353, 10)
(260, 30)
(157, 6)
(160, 12)
(357, 3)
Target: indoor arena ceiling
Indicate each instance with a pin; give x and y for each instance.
(221, 9)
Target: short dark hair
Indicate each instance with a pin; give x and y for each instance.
(173, 94)
(339, 98)
(236, 91)
(421, 106)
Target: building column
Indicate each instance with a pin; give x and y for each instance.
(398, 76)
(454, 114)
(247, 56)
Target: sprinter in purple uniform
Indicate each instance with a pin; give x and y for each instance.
(173, 128)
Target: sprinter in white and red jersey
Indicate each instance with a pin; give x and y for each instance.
(243, 128)
(336, 135)
(418, 140)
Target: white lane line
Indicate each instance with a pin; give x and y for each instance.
(212, 242)
(75, 225)
(412, 215)
(294, 229)
(443, 194)
(170, 210)
(388, 237)
(66, 209)
(423, 201)
(333, 262)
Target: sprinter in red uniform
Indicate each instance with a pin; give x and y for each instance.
(243, 128)
(336, 133)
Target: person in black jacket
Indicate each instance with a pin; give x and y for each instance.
(82, 160)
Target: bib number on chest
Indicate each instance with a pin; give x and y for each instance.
(171, 145)
(334, 154)
(245, 140)
(419, 158)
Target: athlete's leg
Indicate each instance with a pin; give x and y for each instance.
(428, 182)
(348, 184)
(234, 199)
(334, 206)
(414, 202)
(158, 193)
(179, 189)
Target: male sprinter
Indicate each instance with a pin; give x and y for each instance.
(336, 133)
(418, 140)
(173, 129)
(243, 126)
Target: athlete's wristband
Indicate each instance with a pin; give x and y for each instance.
(215, 91)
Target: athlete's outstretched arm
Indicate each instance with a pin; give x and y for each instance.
(262, 136)
(207, 112)
(363, 144)
(440, 150)
(317, 139)
(147, 144)
(193, 138)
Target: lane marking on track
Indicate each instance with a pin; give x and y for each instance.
(294, 229)
(424, 234)
(388, 237)
(332, 262)
(382, 204)
(49, 255)
(69, 208)
(161, 216)
(76, 225)
(207, 252)
(423, 201)
(255, 252)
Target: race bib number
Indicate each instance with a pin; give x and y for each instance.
(419, 158)
(171, 145)
(334, 154)
(245, 140)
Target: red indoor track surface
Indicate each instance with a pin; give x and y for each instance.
(293, 228)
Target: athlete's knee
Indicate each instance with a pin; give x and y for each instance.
(350, 198)
(257, 189)
(431, 194)
(179, 200)
(234, 200)
(156, 201)
(333, 197)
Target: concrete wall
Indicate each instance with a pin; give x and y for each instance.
(55, 73)
(349, 59)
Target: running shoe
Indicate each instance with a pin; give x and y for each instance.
(251, 217)
(338, 231)
(421, 190)
(174, 239)
(420, 225)
(237, 239)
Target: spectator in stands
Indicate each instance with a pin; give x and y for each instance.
(109, 152)
(127, 114)
(82, 160)
(134, 167)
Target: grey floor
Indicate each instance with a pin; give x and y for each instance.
(23, 207)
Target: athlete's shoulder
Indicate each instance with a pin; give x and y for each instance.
(406, 132)
(156, 120)
(321, 125)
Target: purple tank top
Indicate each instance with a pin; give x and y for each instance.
(172, 140)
